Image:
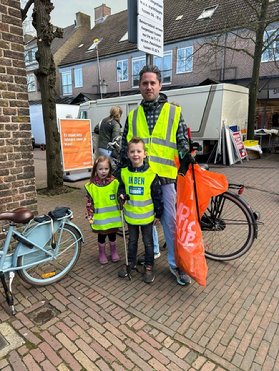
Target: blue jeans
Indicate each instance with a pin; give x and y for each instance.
(168, 220)
(104, 152)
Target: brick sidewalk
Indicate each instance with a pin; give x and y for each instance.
(98, 321)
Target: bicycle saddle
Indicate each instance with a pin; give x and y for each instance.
(19, 215)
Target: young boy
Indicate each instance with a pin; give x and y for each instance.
(143, 188)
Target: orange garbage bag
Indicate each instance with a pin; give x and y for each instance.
(189, 247)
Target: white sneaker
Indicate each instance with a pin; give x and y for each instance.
(156, 256)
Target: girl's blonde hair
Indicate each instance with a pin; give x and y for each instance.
(97, 161)
(115, 113)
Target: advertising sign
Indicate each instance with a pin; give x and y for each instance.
(76, 144)
(150, 27)
(239, 144)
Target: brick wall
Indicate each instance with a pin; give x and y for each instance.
(17, 177)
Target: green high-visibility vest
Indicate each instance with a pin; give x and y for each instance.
(139, 209)
(161, 144)
(107, 213)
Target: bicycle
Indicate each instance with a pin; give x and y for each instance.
(229, 226)
(46, 249)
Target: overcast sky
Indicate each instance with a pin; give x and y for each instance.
(64, 12)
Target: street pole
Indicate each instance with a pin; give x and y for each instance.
(149, 59)
(98, 67)
(119, 75)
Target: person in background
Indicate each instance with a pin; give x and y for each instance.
(141, 187)
(102, 207)
(108, 129)
(164, 132)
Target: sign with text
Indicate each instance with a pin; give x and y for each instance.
(150, 27)
(76, 144)
(239, 144)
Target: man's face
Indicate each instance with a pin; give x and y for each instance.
(150, 86)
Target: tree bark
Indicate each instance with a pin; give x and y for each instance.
(46, 76)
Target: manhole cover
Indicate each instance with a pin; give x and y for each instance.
(3, 342)
(43, 314)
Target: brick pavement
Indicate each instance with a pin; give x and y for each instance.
(103, 322)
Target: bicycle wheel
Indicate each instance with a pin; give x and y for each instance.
(65, 256)
(228, 227)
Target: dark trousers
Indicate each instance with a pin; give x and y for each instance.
(147, 237)
(102, 237)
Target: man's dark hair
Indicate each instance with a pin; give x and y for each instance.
(151, 68)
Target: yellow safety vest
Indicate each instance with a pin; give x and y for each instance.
(161, 144)
(107, 213)
(139, 210)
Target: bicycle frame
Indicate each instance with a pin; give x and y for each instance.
(34, 241)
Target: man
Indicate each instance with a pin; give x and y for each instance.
(164, 132)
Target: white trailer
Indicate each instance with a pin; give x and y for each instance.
(205, 109)
(37, 121)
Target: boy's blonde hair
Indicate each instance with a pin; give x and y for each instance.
(136, 140)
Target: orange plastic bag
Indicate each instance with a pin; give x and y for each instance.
(189, 247)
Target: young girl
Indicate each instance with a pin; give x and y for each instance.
(102, 208)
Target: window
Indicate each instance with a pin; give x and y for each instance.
(67, 88)
(208, 12)
(165, 66)
(30, 55)
(137, 65)
(124, 37)
(122, 70)
(271, 40)
(184, 61)
(31, 82)
(78, 77)
(96, 42)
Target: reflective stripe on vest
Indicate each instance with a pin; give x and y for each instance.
(161, 144)
(139, 209)
(107, 214)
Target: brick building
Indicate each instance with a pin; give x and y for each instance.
(189, 28)
(17, 179)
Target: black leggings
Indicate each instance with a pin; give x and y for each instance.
(102, 237)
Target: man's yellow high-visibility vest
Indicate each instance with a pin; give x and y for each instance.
(139, 209)
(161, 144)
(107, 213)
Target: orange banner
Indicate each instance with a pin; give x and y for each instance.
(76, 144)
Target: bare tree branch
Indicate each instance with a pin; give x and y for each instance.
(24, 11)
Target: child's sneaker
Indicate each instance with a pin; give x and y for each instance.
(149, 275)
(124, 270)
(181, 277)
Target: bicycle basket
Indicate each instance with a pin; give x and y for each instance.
(59, 212)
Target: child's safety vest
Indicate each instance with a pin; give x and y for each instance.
(139, 209)
(106, 210)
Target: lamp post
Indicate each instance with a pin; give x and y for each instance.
(118, 76)
(96, 41)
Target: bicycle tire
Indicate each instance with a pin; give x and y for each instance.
(51, 271)
(228, 227)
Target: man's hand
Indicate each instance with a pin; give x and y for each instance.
(185, 162)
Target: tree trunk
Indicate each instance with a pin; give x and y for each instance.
(254, 83)
(46, 77)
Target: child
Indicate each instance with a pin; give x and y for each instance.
(102, 207)
(141, 187)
